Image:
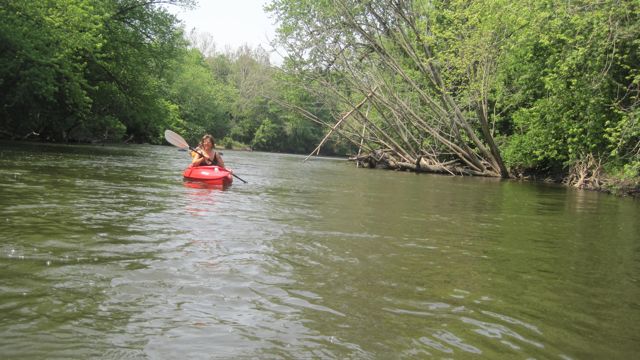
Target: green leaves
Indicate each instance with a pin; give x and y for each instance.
(565, 81)
(553, 81)
(42, 72)
(67, 65)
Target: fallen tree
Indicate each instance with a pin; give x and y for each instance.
(424, 111)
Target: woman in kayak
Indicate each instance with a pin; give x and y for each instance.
(206, 155)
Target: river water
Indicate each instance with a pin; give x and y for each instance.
(106, 253)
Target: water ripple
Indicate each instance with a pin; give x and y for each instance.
(108, 255)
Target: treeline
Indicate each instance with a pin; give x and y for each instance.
(494, 88)
(124, 70)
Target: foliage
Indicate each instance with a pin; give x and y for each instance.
(79, 70)
(474, 87)
(42, 65)
(204, 102)
(573, 85)
(74, 67)
(229, 143)
(543, 85)
(267, 136)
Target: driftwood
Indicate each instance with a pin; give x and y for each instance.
(586, 173)
(386, 159)
(14, 136)
(32, 133)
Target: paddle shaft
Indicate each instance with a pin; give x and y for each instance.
(234, 175)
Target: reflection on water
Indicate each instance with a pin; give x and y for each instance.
(203, 185)
(200, 201)
(114, 257)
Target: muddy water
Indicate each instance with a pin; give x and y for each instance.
(105, 253)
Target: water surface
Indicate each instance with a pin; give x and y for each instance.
(105, 253)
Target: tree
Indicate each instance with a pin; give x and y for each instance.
(79, 70)
(420, 97)
(571, 86)
(205, 102)
(42, 72)
(472, 87)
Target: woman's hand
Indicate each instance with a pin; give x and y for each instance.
(197, 160)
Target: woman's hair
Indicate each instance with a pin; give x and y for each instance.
(205, 137)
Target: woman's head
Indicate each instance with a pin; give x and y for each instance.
(207, 142)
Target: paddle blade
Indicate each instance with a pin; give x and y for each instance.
(175, 139)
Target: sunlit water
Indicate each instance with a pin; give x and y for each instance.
(105, 253)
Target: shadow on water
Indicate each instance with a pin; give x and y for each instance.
(107, 253)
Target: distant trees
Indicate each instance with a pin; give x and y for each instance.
(253, 100)
(79, 70)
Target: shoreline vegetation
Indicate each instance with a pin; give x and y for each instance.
(518, 89)
(587, 175)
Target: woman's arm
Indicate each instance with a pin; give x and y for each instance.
(217, 159)
(197, 159)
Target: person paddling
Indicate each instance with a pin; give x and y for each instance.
(206, 155)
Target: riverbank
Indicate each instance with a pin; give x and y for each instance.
(606, 184)
(588, 174)
(592, 174)
(612, 185)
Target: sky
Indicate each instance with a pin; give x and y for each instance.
(231, 23)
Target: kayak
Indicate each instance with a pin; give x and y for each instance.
(211, 175)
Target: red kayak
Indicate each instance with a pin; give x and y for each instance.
(211, 175)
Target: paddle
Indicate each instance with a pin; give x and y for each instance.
(177, 140)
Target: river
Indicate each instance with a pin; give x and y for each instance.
(106, 253)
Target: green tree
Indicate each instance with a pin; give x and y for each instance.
(80, 70)
(459, 86)
(571, 85)
(268, 136)
(397, 58)
(205, 102)
(131, 74)
(42, 65)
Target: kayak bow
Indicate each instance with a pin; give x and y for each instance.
(212, 175)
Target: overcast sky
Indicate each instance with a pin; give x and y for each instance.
(231, 22)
